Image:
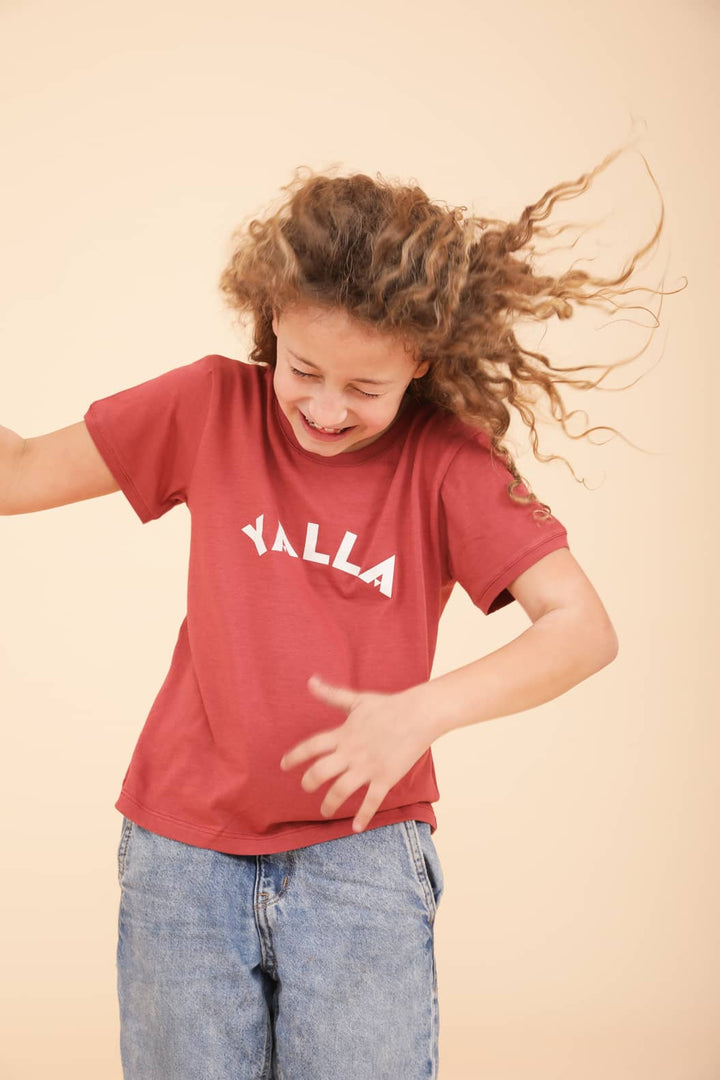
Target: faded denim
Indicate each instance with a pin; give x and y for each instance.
(316, 963)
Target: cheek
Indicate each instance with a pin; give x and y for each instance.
(388, 414)
(283, 387)
(382, 418)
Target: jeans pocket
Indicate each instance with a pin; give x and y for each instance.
(125, 833)
(428, 866)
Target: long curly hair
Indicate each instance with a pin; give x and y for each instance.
(447, 284)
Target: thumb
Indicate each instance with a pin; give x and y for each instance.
(340, 696)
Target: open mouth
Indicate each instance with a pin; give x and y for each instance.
(332, 433)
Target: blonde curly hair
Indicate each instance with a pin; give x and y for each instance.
(446, 283)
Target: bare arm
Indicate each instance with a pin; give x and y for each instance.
(11, 445)
(51, 470)
(571, 638)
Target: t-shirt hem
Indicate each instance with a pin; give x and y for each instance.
(242, 844)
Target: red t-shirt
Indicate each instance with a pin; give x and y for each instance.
(298, 563)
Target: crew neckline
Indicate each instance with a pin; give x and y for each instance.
(352, 457)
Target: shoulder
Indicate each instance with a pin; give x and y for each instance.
(476, 473)
(455, 443)
(227, 365)
(228, 373)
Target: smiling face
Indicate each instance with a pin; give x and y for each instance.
(334, 373)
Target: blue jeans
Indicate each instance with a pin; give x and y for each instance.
(316, 963)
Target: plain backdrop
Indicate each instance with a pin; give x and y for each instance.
(578, 933)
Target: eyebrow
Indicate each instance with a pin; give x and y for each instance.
(373, 382)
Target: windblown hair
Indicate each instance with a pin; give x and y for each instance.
(446, 284)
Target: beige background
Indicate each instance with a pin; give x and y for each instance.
(578, 934)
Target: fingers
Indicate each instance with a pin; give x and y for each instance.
(339, 793)
(322, 743)
(339, 696)
(324, 770)
(343, 789)
(370, 807)
(347, 784)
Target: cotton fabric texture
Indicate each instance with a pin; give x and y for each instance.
(299, 564)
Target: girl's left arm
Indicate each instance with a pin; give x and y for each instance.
(384, 734)
(571, 637)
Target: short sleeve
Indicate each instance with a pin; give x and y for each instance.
(490, 539)
(149, 435)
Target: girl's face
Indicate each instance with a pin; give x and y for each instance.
(334, 373)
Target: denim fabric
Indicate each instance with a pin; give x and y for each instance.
(316, 963)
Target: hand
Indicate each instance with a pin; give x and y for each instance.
(377, 745)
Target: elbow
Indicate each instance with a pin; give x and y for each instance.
(596, 641)
(613, 647)
(607, 645)
(589, 639)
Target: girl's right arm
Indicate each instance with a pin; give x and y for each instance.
(51, 470)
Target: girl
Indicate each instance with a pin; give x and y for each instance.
(279, 881)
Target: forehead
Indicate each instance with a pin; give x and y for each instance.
(330, 337)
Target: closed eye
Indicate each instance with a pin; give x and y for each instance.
(309, 375)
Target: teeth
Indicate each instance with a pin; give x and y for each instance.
(330, 431)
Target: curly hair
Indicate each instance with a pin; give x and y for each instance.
(446, 284)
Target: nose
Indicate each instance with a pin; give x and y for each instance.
(328, 409)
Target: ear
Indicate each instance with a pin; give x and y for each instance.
(275, 322)
(422, 369)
